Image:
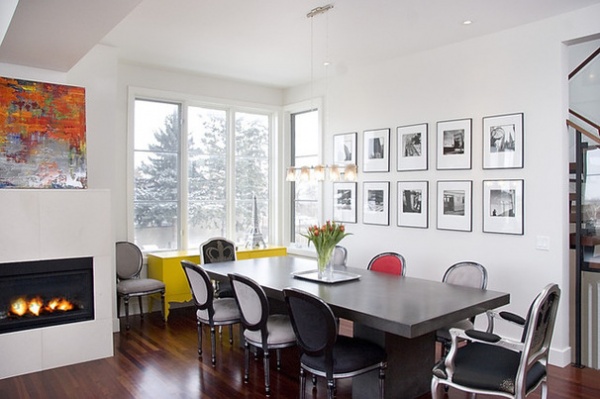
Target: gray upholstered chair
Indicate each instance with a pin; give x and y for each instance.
(129, 261)
(339, 257)
(324, 353)
(209, 310)
(388, 262)
(466, 274)
(218, 249)
(493, 365)
(261, 329)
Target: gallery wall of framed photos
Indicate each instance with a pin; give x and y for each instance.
(449, 194)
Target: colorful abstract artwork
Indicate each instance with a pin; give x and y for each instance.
(42, 135)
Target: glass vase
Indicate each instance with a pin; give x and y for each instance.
(325, 269)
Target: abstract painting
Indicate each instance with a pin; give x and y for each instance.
(42, 135)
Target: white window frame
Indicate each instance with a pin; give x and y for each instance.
(316, 103)
(231, 107)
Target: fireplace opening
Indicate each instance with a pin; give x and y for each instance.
(45, 293)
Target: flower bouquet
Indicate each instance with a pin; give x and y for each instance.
(325, 238)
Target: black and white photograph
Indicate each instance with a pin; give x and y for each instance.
(376, 150)
(344, 149)
(413, 199)
(344, 202)
(503, 141)
(412, 147)
(376, 203)
(454, 144)
(503, 206)
(454, 207)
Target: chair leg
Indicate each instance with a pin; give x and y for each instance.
(213, 345)
(544, 389)
(330, 388)
(267, 373)
(302, 383)
(246, 361)
(434, 388)
(126, 303)
(162, 306)
(230, 334)
(382, 382)
(199, 338)
(278, 354)
(141, 310)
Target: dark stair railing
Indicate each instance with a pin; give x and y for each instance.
(580, 263)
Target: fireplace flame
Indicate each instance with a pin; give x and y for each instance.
(22, 306)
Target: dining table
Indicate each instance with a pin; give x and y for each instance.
(400, 313)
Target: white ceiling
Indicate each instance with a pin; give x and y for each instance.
(261, 41)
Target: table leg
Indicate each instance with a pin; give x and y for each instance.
(410, 362)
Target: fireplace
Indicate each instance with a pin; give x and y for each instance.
(45, 293)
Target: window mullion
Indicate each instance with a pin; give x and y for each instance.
(184, 188)
(230, 182)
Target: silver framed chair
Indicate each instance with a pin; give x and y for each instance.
(323, 352)
(129, 261)
(210, 311)
(493, 365)
(388, 262)
(466, 274)
(262, 330)
(339, 257)
(219, 249)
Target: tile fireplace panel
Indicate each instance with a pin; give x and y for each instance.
(55, 224)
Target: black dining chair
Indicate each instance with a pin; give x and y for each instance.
(493, 365)
(466, 274)
(218, 249)
(324, 353)
(210, 311)
(262, 330)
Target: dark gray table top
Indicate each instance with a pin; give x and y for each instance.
(405, 306)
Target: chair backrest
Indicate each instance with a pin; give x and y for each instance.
(468, 274)
(340, 256)
(217, 249)
(252, 301)
(313, 322)
(200, 285)
(388, 262)
(129, 260)
(539, 328)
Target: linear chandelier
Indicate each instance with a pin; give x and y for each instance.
(319, 172)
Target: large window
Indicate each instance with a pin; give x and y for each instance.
(305, 193)
(198, 173)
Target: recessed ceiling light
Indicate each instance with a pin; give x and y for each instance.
(467, 22)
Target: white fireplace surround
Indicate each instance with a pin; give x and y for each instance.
(55, 224)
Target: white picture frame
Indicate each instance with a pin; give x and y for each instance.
(411, 147)
(413, 204)
(376, 150)
(376, 203)
(344, 149)
(455, 205)
(344, 202)
(454, 144)
(503, 206)
(503, 141)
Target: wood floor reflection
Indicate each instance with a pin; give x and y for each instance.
(160, 361)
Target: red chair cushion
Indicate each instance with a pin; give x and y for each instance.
(388, 264)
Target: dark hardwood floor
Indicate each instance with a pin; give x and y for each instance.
(153, 360)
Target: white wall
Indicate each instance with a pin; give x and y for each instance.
(518, 70)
